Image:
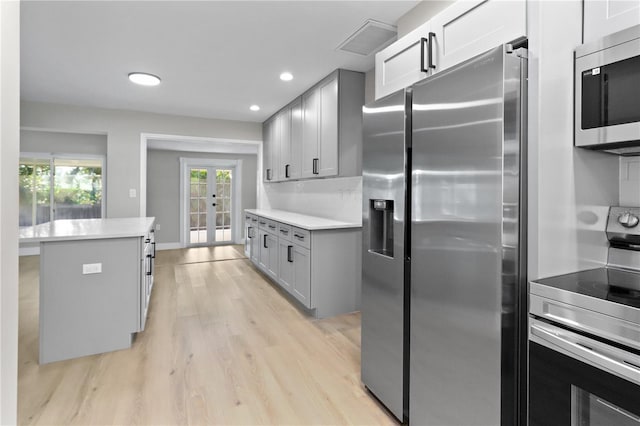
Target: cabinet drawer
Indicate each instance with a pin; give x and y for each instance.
(301, 237)
(285, 231)
(262, 223)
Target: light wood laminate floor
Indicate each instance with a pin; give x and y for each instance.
(221, 346)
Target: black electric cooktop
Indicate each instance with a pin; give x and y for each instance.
(615, 285)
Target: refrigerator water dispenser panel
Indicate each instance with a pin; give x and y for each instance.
(381, 227)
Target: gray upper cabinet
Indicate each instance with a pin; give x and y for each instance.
(269, 136)
(319, 134)
(310, 131)
(295, 141)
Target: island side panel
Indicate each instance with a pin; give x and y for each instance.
(85, 314)
(336, 271)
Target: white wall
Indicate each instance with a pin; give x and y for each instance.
(339, 198)
(570, 189)
(62, 143)
(124, 148)
(163, 188)
(9, 146)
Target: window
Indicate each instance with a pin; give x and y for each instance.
(59, 188)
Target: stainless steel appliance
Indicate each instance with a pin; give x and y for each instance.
(585, 337)
(444, 291)
(607, 93)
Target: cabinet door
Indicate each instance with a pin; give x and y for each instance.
(275, 148)
(284, 158)
(604, 17)
(328, 143)
(403, 63)
(263, 258)
(247, 238)
(302, 275)
(295, 140)
(468, 28)
(285, 265)
(310, 131)
(267, 146)
(272, 253)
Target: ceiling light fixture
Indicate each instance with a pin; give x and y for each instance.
(144, 79)
(286, 76)
(254, 108)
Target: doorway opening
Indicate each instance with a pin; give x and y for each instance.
(210, 202)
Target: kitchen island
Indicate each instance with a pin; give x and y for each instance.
(96, 277)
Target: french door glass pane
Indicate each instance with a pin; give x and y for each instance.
(77, 190)
(34, 191)
(223, 208)
(198, 206)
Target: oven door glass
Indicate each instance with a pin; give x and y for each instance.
(589, 409)
(564, 391)
(610, 94)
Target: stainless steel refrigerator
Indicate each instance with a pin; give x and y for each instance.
(444, 229)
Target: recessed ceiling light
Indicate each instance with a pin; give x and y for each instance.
(254, 108)
(286, 76)
(144, 79)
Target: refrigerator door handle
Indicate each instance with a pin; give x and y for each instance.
(431, 64)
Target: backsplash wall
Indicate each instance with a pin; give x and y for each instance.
(339, 198)
(630, 181)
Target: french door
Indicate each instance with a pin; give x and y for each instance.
(209, 209)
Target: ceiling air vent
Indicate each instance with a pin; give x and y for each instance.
(371, 37)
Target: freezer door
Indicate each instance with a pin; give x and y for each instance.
(465, 243)
(383, 225)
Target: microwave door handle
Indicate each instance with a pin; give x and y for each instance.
(585, 349)
(604, 94)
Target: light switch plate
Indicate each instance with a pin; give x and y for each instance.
(132, 193)
(91, 268)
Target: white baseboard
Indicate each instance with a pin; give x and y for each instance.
(29, 251)
(168, 246)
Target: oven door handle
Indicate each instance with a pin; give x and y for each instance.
(600, 355)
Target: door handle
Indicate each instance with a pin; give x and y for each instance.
(423, 42)
(289, 254)
(286, 170)
(213, 204)
(431, 63)
(264, 242)
(268, 174)
(153, 256)
(315, 166)
(249, 230)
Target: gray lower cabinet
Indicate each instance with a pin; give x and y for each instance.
(301, 282)
(285, 264)
(320, 269)
(268, 260)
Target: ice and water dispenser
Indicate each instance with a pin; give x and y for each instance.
(381, 227)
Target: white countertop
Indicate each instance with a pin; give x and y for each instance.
(310, 223)
(86, 229)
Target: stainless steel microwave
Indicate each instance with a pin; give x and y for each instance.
(607, 93)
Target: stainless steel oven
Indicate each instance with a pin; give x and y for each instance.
(584, 337)
(607, 93)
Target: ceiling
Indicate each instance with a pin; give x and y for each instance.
(215, 58)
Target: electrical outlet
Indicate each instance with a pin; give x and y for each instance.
(157, 227)
(91, 268)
